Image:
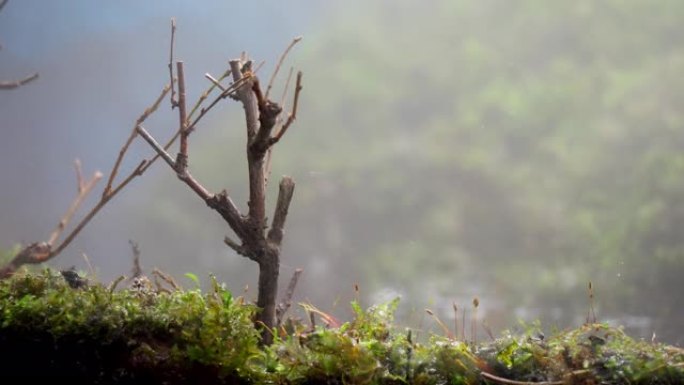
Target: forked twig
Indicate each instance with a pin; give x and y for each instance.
(83, 191)
(280, 63)
(230, 91)
(42, 251)
(148, 111)
(208, 91)
(269, 153)
(293, 114)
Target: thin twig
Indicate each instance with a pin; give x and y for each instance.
(182, 159)
(82, 194)
(269, 152)
(79, 175)
(206, 93)
(2, 3)
(185, 176)
(280, 62)
(142, 166)
(11, 84)
(293, 115)
(216, 82)
(77, 229)
(174, 103)
(286, 303)
(230, 91)
(122, 152)
(156, 146)
(287, 86)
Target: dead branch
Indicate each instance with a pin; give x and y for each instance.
(208, 91)
(228, 92)
(39, 252)
(269, 152)
(183, 175)
(11, 84)
(83, 191)
(182, 158)
(280, 63)
(293, 114)
(261, 116)
(122, 152)
(216, 82)
(286, 303)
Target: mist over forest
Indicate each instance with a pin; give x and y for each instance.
(443, 150)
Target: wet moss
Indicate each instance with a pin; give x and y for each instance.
(140, 335)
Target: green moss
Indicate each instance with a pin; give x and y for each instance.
(125, 335)
(139, 335)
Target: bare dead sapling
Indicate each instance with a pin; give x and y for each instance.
(265, 127)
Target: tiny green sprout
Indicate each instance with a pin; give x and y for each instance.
(193, 278)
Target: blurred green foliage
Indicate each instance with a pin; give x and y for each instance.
(509, 150)
(515, 149)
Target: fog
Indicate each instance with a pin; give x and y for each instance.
(443, 150)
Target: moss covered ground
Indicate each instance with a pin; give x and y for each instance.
(138, 334)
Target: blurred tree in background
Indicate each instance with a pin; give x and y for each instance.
(510, 150)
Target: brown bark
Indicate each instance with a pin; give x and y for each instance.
(261, 118)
